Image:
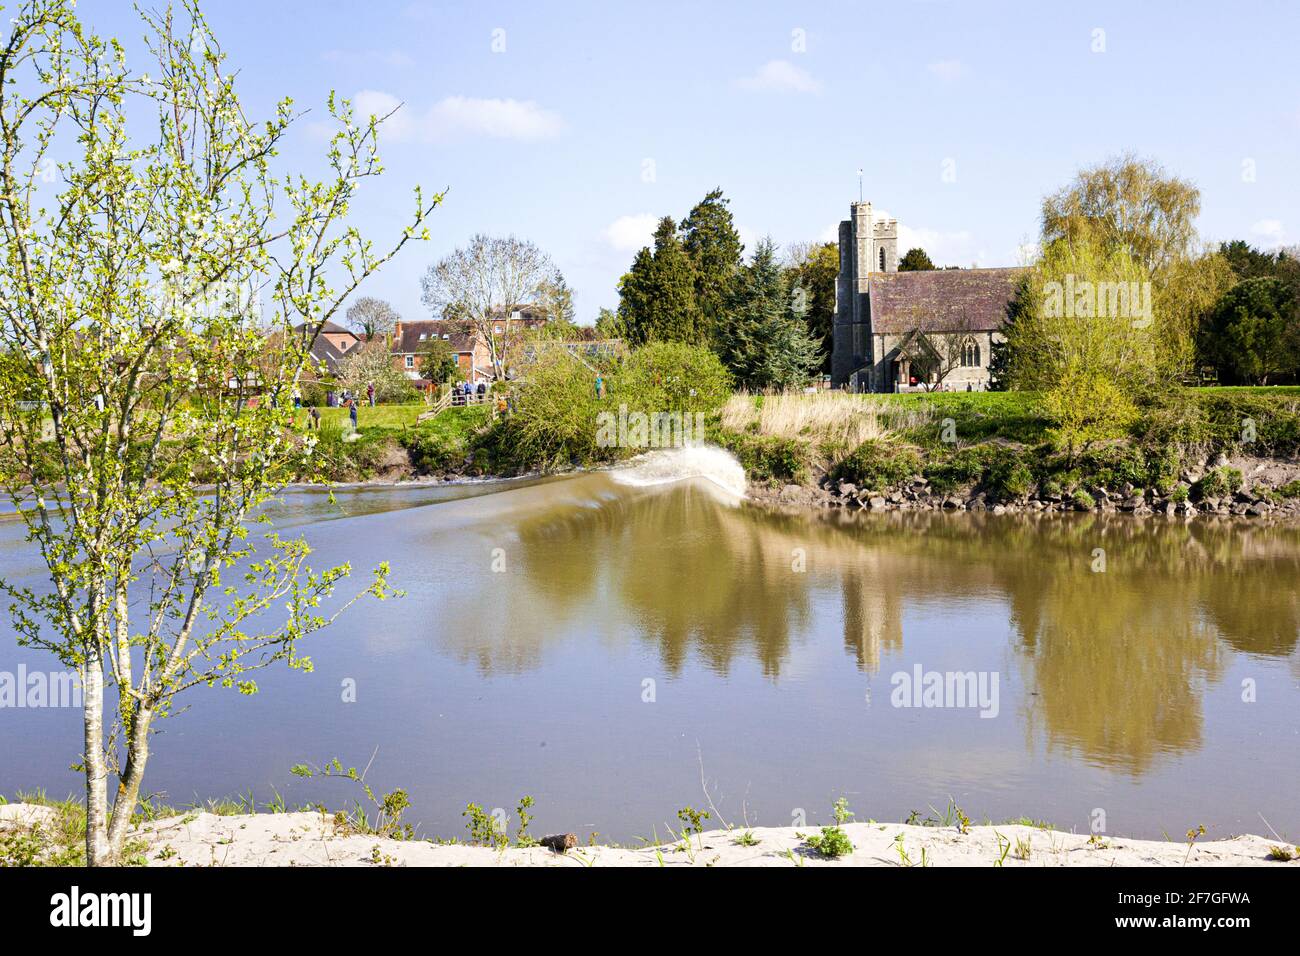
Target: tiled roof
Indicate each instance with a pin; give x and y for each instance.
(323, 351)
(941, 300)
(416, 333)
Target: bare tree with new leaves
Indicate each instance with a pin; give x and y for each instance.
(372, 317)
(147, 363)
(482, 285)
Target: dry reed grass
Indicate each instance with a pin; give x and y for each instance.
(833, 418)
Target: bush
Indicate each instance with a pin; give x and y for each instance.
(961, 469)
(878, 465)
(1290, 490)
(767, 457)
(1083, 501)
(553, 423)
(1085, 408)
(671, 377)
(431, 454)
(1219, 483)
(1007, 477)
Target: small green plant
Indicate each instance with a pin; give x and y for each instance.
(1083, 501)
(1192, 834)
(1290, 490)
(1004, 847)
(904, 858)
(1219, 483)
(1283, 854)
(746, 839)
(483, 829)
(522, 836)
(1023, 849)
(388, 809)
(692, 823)
(833, 842)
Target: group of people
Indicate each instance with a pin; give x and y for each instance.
(332, 400)
(342, 400)
(463, 393)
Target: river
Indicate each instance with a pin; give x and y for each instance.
(614, 644)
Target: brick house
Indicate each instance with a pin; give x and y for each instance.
(466, 344)
(331, 346)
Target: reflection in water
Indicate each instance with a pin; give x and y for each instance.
(535, 611)
(1116, 661)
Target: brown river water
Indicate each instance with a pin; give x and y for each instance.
(613, 644)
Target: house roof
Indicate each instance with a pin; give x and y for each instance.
(941, 300)
(322, 350)
(413, 334)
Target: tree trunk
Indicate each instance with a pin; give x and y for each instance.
(128, 791)
(92, 699)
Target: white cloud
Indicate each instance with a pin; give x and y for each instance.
(630, 233)
(460, 117)
(399, 127)
(496, 118)
(1269, 231)
(947, 70)
(780, 76)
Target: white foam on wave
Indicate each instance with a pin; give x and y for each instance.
(661, 467)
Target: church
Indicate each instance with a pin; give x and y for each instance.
(911, 331)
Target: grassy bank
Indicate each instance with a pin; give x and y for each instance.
(998, 443)
(390, 444)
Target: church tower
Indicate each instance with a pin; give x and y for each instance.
(868, 243)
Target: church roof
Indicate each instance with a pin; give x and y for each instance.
(941, 300)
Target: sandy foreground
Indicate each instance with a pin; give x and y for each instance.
(311, 839)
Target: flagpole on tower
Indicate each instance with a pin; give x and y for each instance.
(859, 184)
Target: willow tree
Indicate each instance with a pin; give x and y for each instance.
(143, 424)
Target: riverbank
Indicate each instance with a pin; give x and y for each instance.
(316, 839)
(1270, 490)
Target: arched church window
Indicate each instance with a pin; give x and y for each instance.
(970, 355)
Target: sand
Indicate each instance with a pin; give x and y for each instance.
(311, 839)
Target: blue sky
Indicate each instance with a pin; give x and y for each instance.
(576, 125)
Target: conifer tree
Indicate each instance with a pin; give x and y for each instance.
(764, 344)
(657, 297)
(710, 238)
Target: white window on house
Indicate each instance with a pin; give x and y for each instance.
(516, 314)
(496, 330)
(423, 336)
(410, 361)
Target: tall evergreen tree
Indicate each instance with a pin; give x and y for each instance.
(764, 344)
(710, 238)
(657, 297)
